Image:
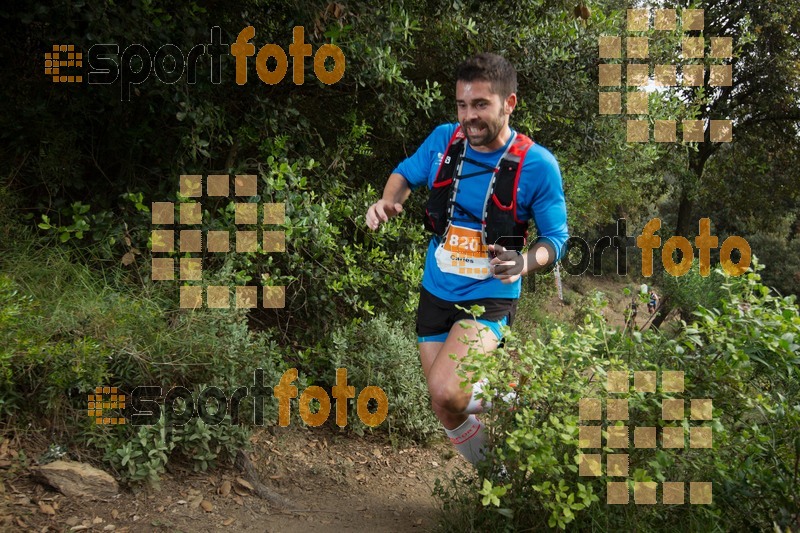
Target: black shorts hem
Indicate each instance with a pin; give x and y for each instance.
(436, 316)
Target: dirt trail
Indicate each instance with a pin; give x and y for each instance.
(335, 482)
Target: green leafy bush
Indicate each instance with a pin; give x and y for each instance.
(690, 291)
(141, 453)
(65, 331)
(13, 336)
(136, 454)
(205, 444)
(383, 352)
(742, 354)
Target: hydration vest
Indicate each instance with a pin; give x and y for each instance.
(499, 223)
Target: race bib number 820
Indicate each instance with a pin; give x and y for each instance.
(461, 252)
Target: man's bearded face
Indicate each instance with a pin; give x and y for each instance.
(482, 113)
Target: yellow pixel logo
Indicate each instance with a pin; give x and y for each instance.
(638, 73)
(191, 240)
(63, 55)
(618, 438)
(98, 403)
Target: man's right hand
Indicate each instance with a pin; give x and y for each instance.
(381, 211)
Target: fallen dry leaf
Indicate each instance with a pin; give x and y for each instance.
(46, 508)
(225, 488)
(194, 503)
(244, 483)
(207, 506)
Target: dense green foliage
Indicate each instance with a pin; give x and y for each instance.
(380, 351)
(66, 331)
(742, 353)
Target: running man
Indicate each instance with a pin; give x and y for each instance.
(486, 183)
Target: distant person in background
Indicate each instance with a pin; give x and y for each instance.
(652, 304)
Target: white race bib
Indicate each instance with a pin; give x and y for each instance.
(462, 253)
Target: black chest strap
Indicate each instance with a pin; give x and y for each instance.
(499, 218)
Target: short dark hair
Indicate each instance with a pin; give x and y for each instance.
(492, 68)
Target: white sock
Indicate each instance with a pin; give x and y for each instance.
(477, 406)
(469, 439)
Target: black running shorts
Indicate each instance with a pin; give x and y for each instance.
(435, 316)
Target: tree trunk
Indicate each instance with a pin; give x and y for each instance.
(685, 207)
(661, 313)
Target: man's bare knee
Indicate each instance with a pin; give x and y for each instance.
(449, 398)
(449, 420)
(438, 410)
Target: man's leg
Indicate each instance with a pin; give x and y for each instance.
(448, 399)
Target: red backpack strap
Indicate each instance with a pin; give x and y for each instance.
(521, 146)
(447, 167)
(505, 192)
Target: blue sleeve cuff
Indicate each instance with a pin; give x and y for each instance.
(411, 185)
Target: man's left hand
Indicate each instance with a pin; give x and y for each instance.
(507, 265)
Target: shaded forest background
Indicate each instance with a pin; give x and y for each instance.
(76, 153)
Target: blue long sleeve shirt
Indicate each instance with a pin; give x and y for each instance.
(540, 197)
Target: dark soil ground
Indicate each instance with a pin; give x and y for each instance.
(331, 482)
